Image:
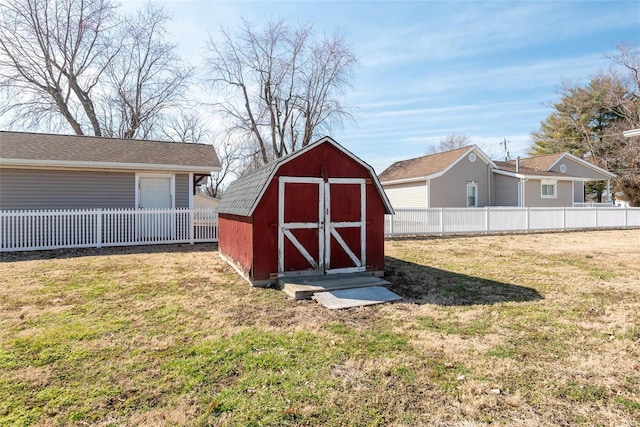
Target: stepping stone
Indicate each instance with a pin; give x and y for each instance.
(357, 297)
(306, 287)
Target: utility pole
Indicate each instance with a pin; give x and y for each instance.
(503, 143)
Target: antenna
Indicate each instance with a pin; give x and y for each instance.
(505, 149)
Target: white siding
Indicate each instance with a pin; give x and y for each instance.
(409, 195)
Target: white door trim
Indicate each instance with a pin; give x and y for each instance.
(284, 228)
(155, 175)
(333, 227)
(325, 227)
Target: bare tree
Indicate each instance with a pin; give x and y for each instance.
(52, 56)
(184, 126)
(450, 142)
(78, 63)
(146, 78)
(280, 86)
(231, 157)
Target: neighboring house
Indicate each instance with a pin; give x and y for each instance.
(44, 171)
(204, 201)
(319, 210)
(467, 177)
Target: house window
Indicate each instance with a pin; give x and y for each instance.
(548, 189)
(472, 194)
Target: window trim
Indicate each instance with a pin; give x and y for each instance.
(171, 176)
(553, 184)
(472, 184)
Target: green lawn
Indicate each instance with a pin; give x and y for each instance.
(540, 329)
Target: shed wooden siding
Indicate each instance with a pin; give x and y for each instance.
(533, 194)
(236, 240)
(576, 169)
(450, 189)
(407, 195)
(310, 164)
(506, 190)
(61, 189)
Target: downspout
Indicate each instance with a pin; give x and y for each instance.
(522, 181)
(489, 186)
(428, 194)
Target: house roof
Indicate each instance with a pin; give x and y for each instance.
(434, 165)
(541, 165)
(72, 151)
(242, 196)
(429, 165)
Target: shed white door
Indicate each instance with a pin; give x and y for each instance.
(321, 225)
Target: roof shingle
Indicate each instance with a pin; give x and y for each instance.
(421, 166)
(97, 150)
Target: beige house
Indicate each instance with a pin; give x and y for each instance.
(204, 201)
(467, 177)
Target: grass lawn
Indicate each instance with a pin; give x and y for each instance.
(540, 329)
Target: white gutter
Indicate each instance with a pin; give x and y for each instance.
(631, 133)
(107, 165)
(556, 177)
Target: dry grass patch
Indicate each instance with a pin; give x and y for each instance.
(506, 330)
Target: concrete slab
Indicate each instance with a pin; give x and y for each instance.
(306, 287)
(358, 297)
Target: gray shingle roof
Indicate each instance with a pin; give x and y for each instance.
(88, 151)
(241, 194)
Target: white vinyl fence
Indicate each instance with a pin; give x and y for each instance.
(441, 221)
(53, 229)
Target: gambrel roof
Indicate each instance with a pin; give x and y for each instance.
(244, 194)
(89, 152)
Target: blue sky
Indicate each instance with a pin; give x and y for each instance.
(485, 69)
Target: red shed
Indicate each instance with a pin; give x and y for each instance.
(318, 211)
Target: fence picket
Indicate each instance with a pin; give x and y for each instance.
(409, 221)
(54, 229)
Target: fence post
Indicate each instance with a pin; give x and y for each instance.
(442, 221)
(564, 218)
(596, 210)
(191, 225)
(98, 228)
(626, 217)
(527, 220)
(487, 222)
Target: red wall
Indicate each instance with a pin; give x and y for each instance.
(311, 164)
(235, 240)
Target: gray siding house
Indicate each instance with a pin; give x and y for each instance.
(45, 171)
(467, 177)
